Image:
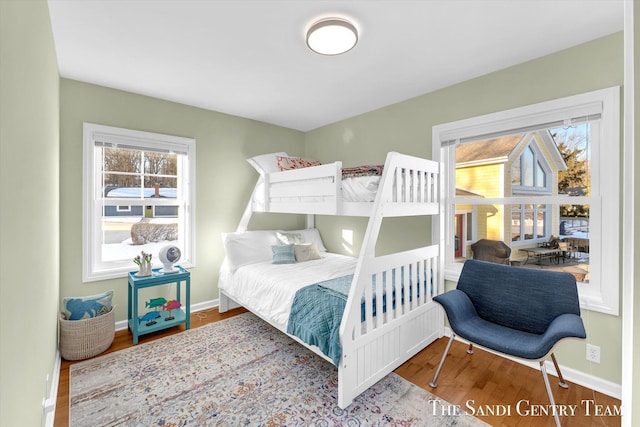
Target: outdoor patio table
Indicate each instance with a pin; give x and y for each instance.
(540, 253)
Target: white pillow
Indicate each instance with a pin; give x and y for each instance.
(306, 252)
(309, 235)
(290, 237)
(249, 247)
(266, 163)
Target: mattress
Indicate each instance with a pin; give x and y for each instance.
(269, 289)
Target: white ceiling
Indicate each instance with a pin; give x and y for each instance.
(249, 58)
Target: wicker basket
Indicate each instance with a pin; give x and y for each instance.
(81, 339)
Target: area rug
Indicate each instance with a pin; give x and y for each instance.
(238, 372)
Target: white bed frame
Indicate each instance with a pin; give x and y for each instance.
(373, 348)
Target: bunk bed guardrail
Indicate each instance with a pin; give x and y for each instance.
(397, 327)
(318, 189)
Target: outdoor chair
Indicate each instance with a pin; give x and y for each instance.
(552, 243)
(565, 251)
(515, 311)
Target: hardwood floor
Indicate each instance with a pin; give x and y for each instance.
(493, 387)
(497, 389)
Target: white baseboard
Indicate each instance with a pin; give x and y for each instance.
(578, 377)
(204, 305)
(49, 403)
(594, 383)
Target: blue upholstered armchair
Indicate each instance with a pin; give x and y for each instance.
(516, 311)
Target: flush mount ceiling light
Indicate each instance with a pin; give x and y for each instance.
(332, 36)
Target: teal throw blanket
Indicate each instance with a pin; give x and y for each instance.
(316, 314)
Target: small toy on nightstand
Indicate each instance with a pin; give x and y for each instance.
(170, 306)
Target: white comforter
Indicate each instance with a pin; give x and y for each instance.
(268, 289)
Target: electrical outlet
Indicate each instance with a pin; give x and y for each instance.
(593, 353)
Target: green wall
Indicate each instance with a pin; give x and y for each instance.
(406, 127)
(224, 180)
(29, 190)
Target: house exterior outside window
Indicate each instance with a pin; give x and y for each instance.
(508, 170)
(520, 164)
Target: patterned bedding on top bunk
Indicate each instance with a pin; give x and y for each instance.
(358, 171)
(275, 162)
(359, 183)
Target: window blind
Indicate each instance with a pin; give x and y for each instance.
(157, 146)
(554, 119)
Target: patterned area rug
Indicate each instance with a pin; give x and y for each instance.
(237, 372)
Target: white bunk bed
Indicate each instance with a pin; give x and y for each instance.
(372, 346)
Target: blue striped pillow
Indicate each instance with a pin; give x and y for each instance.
(283, 254)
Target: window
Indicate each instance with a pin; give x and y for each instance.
(531, 174)
(529, 222)
(529, 171)
(534, 172)
(138, 195)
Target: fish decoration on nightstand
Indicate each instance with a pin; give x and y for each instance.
(170, 306)
(149, 318)
(155, 303)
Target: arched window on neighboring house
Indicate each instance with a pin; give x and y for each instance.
(531, 173)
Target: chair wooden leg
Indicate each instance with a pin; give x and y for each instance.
(444, 356)
(561, 383)
(543, 369)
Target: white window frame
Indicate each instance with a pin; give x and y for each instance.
(93, 268)
(602, 292)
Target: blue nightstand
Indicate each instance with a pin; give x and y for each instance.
(180, 315)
